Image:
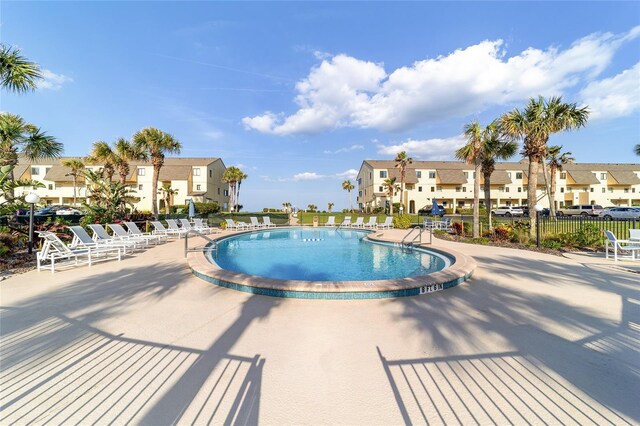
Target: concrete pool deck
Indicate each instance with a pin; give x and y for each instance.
(529, 338)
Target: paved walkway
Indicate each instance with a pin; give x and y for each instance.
(531, 338)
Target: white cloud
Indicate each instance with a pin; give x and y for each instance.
(429, 149)
(347, 149)
(307, 176)
(614, 97)
(348, 174)
(53, 81)
(348, 92)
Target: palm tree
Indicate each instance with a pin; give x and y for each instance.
(285, 206)
(110, 197)
(102, 154)
(540, 119)
(556, 160)
(348, 186)
(167, 195)
(329, 207)
(402, 161)
(230, 176)
(471, 153)
(123, 153)
(637, 149)
(16, 72)
(156, 144)
(494, 147)
(76, 167)
(19, 137)
(390, 188)
(240, 177)
(312, 208)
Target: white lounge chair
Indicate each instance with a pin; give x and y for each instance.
(201, 225)
(122, 234)
(255, 223)
(134, 230)
(346, 221)
(268, 223)
(233, 226)
(373, 221)
(634, 235)
(331, 221)
(387, 224)
(159, 229)
(359, 223)
(620, 246)
(173, 226)
(54, 250)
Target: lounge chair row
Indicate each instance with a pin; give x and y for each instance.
(372, 223)
(87, 249)
(175, 229)
(255, 224)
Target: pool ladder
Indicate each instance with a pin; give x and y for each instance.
(213, 246)
(410, 238)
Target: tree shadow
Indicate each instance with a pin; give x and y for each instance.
(596, 374)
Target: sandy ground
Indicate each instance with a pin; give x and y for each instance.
(531, 338)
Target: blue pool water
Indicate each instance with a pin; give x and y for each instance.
(312, 254)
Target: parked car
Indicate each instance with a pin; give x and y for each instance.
(525, 211)
(621, 213)
(49, 210)
(426, 211)
(507, 211)
(580, 210)
(66, 211)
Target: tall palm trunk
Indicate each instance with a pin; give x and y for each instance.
(232, 189)
(476, 198)
(238, 193)
(154, 193)
(350, 201)
(75, 186)
(547, 185)
(532, 186)
(552, 208)
(12, 161)
(487, 195)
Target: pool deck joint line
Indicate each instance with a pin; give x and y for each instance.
(460, 270)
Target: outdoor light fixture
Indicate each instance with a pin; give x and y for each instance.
(32, 199)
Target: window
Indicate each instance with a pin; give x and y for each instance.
(603, 176)
(466, 174)
(610, 189)
(226, 192)
(210, 173)
(604, 190)
(359, 193)
(380, 189)
(563, 175)
(506, 189)
(409, 187)
(218, 191)
(196, 172)
(35, 171)
(50, 186)
(464, 189)
(47, 170)
(561, 189)
(383, 174)
(370, 176)
(519, 189)
(592, 189)
(360, 181)
(419, 189)
(509, 174)
(140, 172)
(457, 189)
(433, 189)
(419, 174)
(438, 188)
(518, 175)
(198, 187)
(432, 175)
(633, 190)
(626, 190)
(140, 187)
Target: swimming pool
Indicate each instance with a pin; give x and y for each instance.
(316, 254)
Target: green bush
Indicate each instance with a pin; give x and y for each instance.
(551, 244)
(402, 222)
(8, 243)
(481, 240)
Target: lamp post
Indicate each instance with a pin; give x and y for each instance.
(32, 199)
(401, 209)
(538, 209)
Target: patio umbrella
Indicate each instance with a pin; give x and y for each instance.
(192, 209)
(434, 209)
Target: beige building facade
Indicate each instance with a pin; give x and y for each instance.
(451, 184)
(199, 179)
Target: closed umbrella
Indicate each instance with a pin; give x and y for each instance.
(192, 209)
(435, 211)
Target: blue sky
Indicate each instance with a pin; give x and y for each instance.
(298, 94)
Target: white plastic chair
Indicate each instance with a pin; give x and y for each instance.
(346, 221)
(388, 223)
(268, 223)
(255, 223)
(359, 223)
(135, 231)
(54, 250)
(372, 223)
(620, 245)
(331, 221)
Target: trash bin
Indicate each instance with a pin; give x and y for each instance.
(315, 221)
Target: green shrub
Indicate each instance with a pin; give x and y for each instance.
(402, 222)
(481, 240)
(551, 244)
(8, 243)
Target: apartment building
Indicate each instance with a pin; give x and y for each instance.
(199, 179)
(451, 184)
